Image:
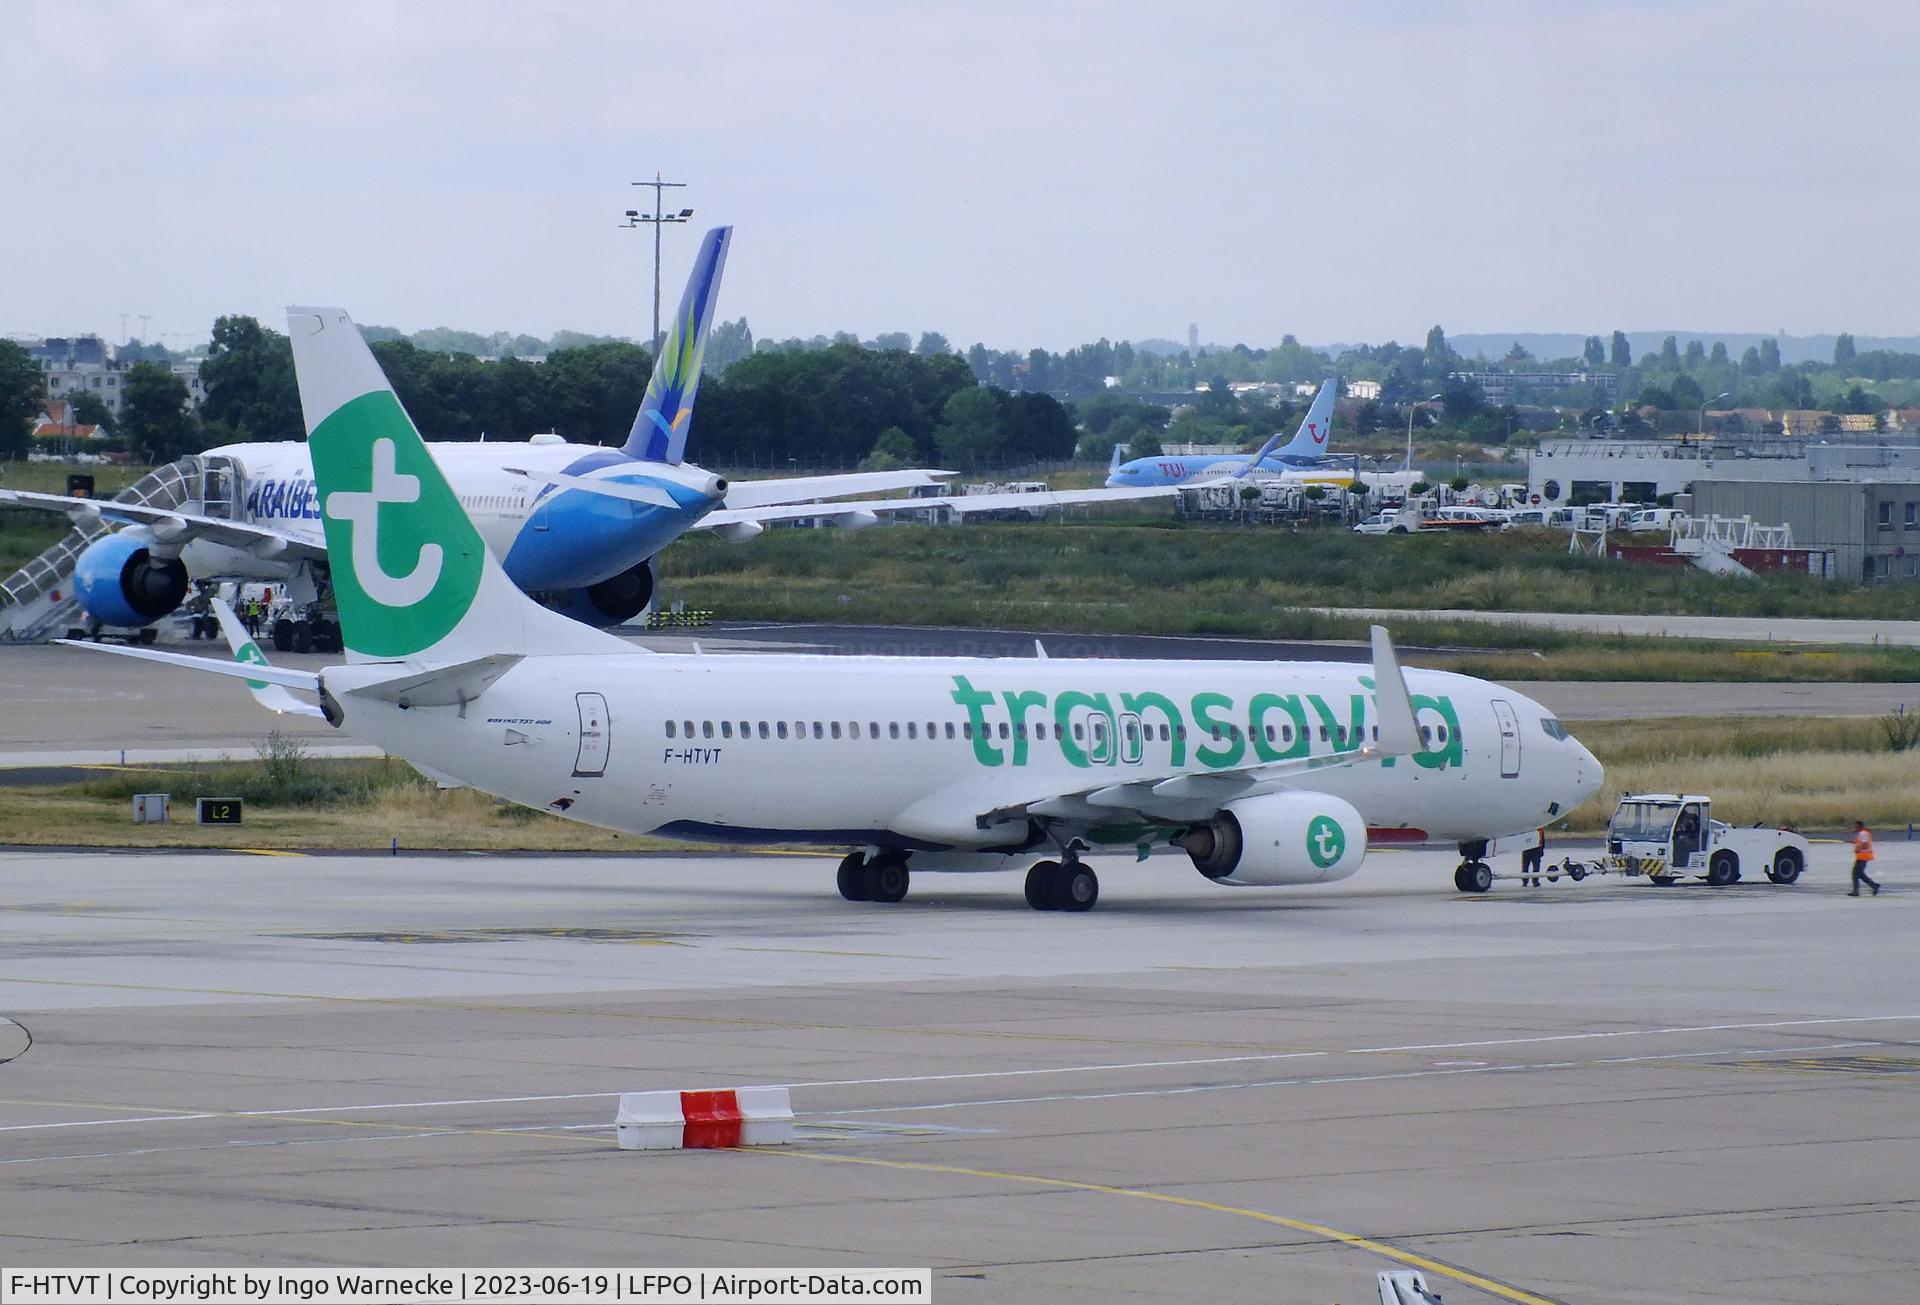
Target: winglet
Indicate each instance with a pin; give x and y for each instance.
(1399, 732)
(245, 651)
(659, 431)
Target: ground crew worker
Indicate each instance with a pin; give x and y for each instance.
(1862, 854)
(1530, 861)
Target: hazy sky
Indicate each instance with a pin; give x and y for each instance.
(1019, 173)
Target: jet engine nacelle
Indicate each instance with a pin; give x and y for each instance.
(1279, 838)
(120, 582)
(614, 601)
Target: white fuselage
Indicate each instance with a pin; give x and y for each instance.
(273, 487)
(920, 752)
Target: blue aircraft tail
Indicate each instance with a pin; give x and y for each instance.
(1310, 441)
(1119, 456)
(659, 431)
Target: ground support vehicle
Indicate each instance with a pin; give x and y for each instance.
(1666, 836)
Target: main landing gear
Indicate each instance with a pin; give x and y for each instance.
(1068, 885)
(1474, 875)
(882, 879)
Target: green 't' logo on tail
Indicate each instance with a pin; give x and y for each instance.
(406, 560)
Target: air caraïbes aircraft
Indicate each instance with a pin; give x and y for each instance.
(1262, 773)
(575, 524)
(1301, 460)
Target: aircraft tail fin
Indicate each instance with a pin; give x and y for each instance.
(1310, 441)
(1119, 456)
(659, 431)
(412, 578)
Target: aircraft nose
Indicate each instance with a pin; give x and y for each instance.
(1589, 774)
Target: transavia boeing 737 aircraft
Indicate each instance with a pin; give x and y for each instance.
(1295, 461)
(1262, 773)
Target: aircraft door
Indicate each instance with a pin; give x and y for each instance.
(1093, 731)
(219, 487)
(596, 735)
(1509, 738)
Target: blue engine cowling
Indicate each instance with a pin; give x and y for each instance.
(120, 582)
(613, 601)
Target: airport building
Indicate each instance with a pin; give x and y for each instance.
(1575, 471)
(1870, 528)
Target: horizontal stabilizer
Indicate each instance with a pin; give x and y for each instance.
(440, 686)
(245, 671)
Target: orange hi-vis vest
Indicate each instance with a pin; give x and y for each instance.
(1863, 845)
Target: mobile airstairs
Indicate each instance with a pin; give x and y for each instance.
(37, 602)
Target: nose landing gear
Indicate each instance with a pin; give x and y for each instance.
(1474, 875)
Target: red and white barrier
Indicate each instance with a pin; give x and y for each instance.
(665, 1121)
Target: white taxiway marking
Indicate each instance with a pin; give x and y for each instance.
(1195, 1063)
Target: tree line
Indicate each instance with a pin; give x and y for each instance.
(839, 406)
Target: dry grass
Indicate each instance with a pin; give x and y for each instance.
(1816, 774)
(419, 817)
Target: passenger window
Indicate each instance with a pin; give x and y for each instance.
(949, 729)
(913, 730)
(726, 729)
(1443, 733)
(763, 729)
(818, 732)
(1079, 730)
(893, 729)
(669, 729)
(1164, 732)
(688, 727)
(873, 729)
(1039, 731)
(1426, 734)
(706, 729)
(1003, 729)
(836, 729)
(780, 728)
(1020, 730)
(1180, 732)
(1323, 733)
(966, 729)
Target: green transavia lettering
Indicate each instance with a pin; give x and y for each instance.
(1088, 731)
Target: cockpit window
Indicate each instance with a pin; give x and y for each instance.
(1554, 729)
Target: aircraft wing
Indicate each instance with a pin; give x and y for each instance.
(170, 525)
(799, 489)
(1189, 795)
(249, 671)
(866, 511)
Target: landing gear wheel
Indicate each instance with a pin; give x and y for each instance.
(1460, 879)
(1075, 888)
(1479, 876)
(302, 636)
(1786, 866)
(1723, 869)
(852, 878)
(149, 634)
(1041, 877)
(886, 878)
(283, 635)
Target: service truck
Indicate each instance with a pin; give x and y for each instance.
(1666, 836)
